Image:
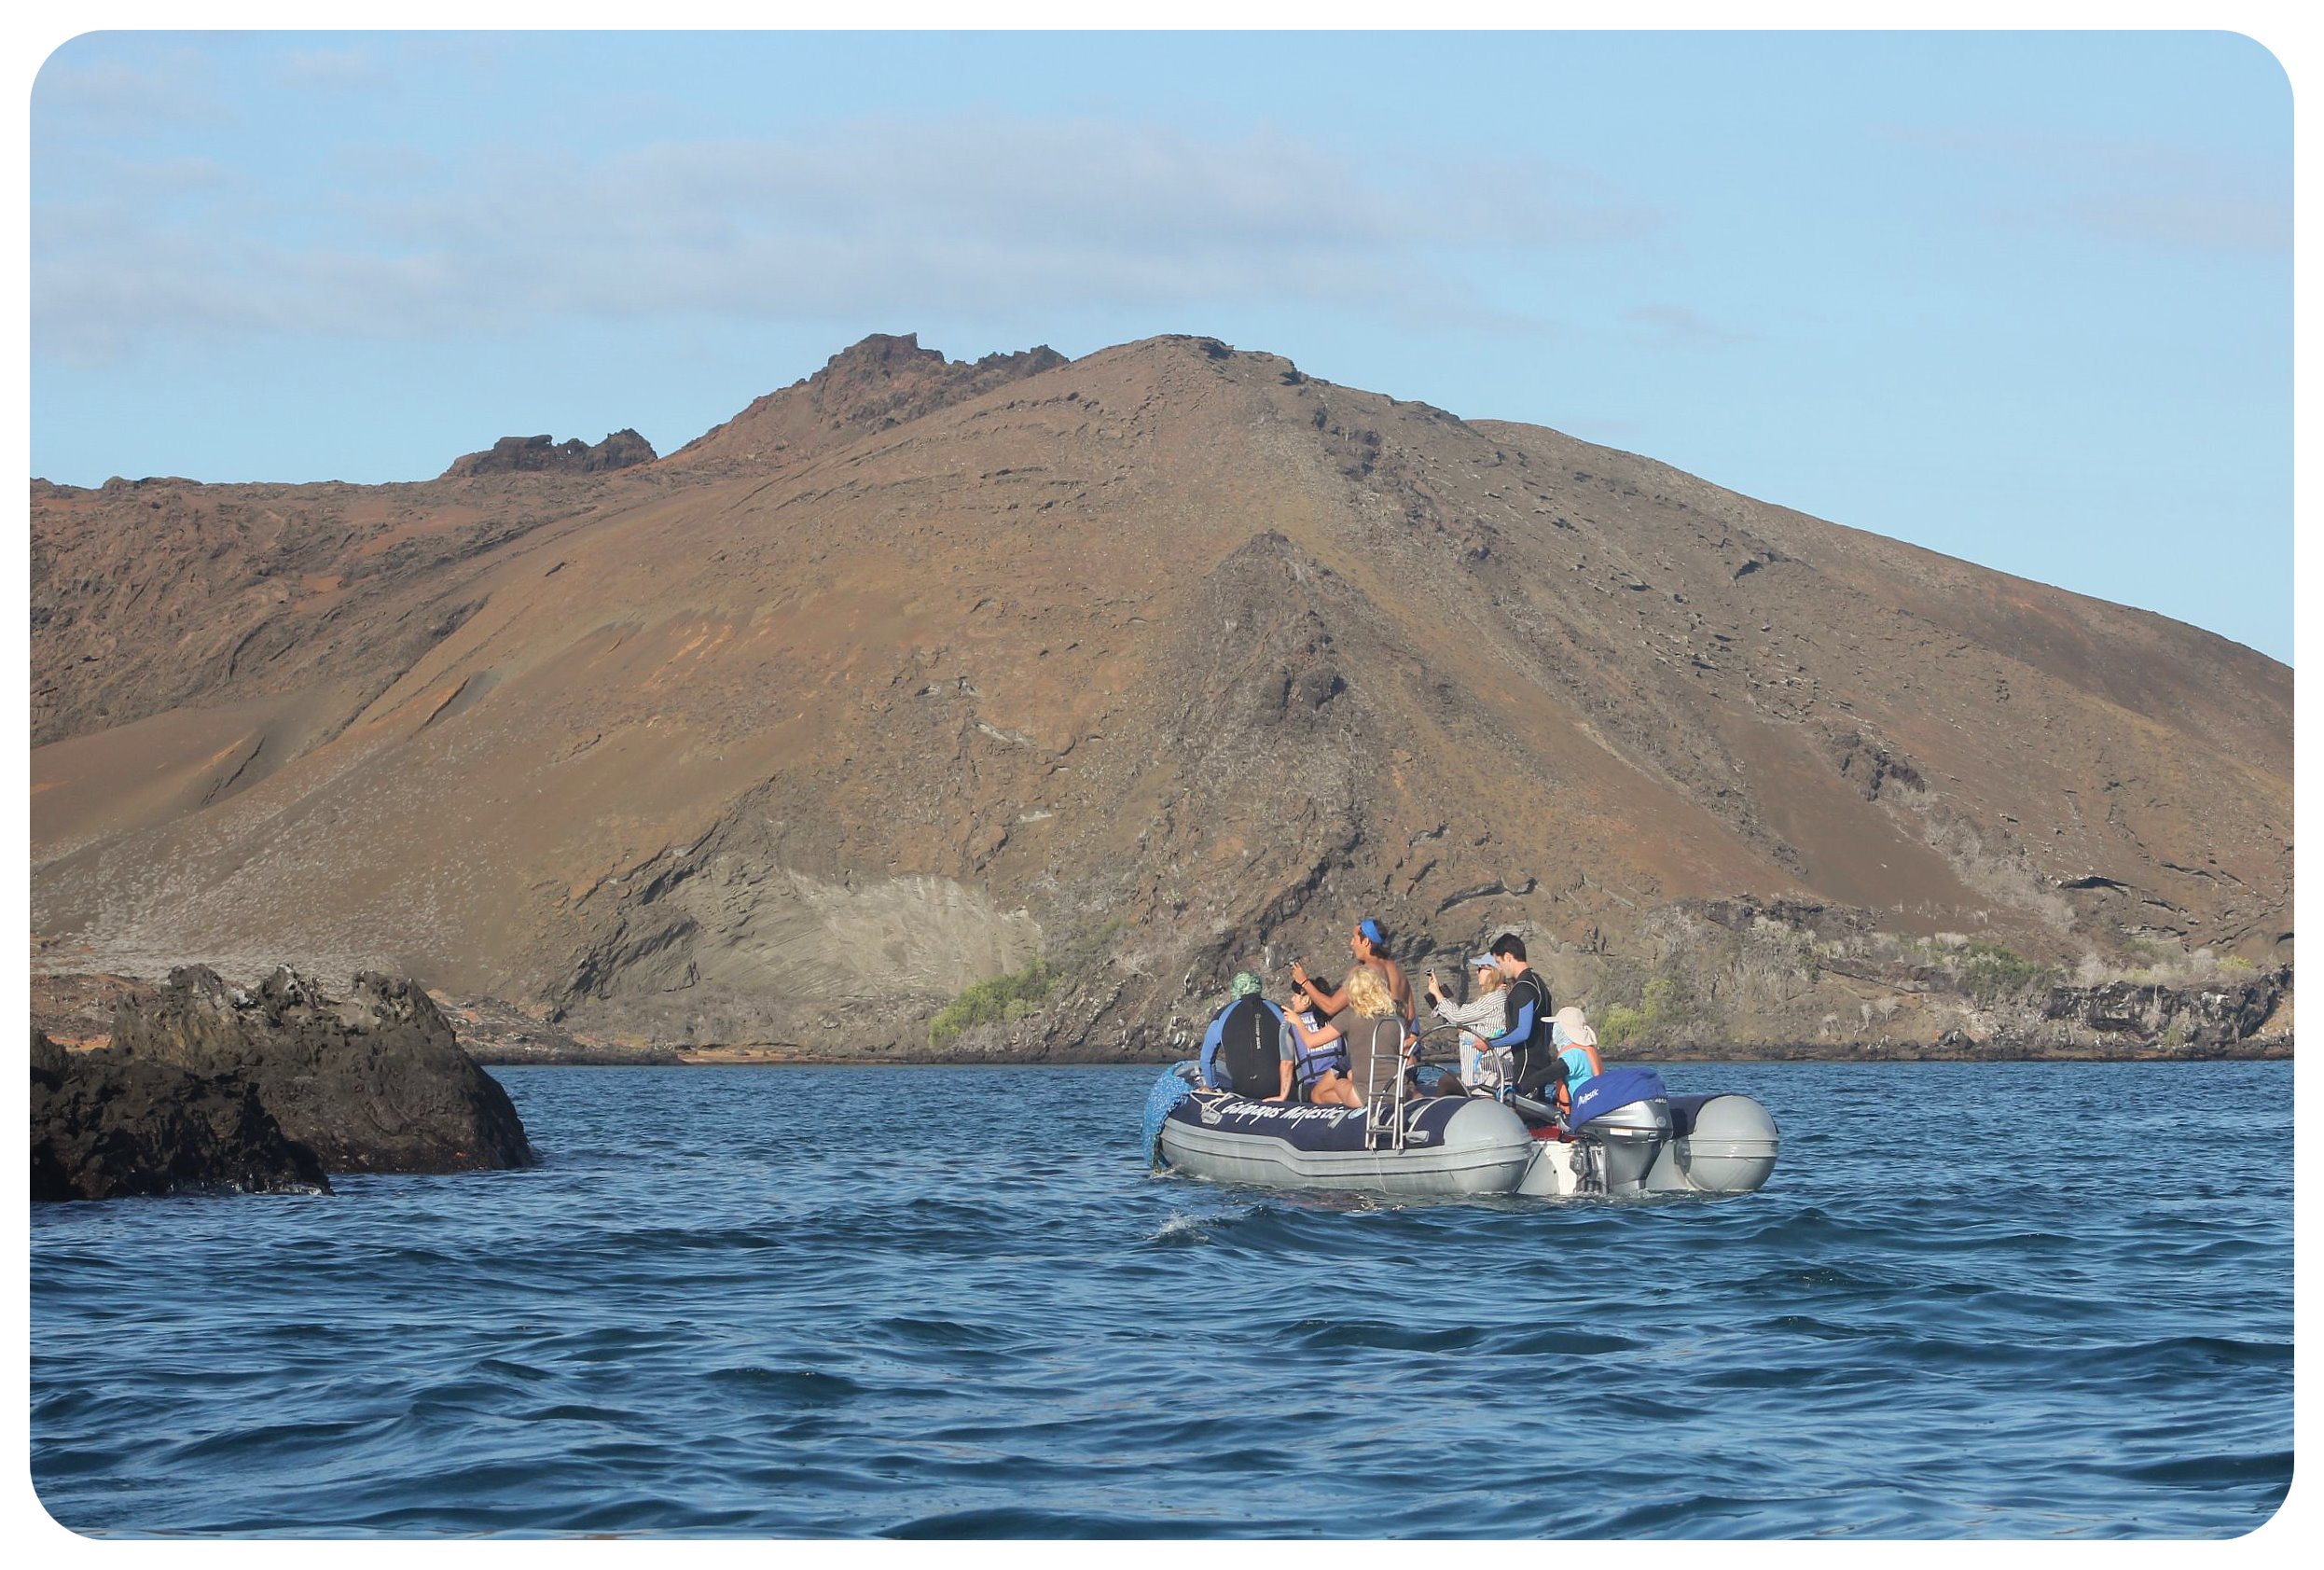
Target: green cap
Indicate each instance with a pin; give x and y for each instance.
(1244, 985)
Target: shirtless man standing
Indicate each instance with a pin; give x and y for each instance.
(1365, 945)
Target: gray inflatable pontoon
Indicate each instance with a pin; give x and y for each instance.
(1624, 1136)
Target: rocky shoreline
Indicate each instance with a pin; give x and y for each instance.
(779, 1055)
(1800, 1052)
(2115, 1022)
(1976, 1051)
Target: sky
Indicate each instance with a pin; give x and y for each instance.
(2025, 298)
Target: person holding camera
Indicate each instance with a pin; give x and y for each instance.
(1480, 1069)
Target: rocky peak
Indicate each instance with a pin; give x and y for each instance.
(880, 352)
(886, 378)
(890, 375)
(534, 454)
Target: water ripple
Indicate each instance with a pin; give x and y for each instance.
(705, 1316)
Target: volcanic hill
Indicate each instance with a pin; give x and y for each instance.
(1147, 667)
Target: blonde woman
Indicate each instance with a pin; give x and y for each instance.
(1373, 1031)
(1485, 1014)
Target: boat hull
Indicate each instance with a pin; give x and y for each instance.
(1452, 1147)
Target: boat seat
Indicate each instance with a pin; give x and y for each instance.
(1531, 1110)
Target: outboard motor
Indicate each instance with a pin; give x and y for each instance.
(1625, 1113)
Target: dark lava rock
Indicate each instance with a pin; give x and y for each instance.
(106, 1124)
(2213, 1014)
(374, 1082)
(622, 450)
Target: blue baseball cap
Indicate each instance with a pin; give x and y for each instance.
(1484, 962)
(1371, 930)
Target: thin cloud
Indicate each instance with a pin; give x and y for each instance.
(80, 173)
(112, 94)
(333, 70)
(393, 64)
(2208, 220)
(2140, 158)
(862, 220)
(2146, 192)
(1539, 201)
(1682, 326)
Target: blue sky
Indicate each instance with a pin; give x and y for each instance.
(2022, 298)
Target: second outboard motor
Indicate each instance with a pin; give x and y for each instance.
(1626, 1113)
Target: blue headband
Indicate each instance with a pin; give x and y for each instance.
(1371, 930)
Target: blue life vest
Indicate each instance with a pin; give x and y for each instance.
(1308, 1065)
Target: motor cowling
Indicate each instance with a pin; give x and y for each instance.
(1625, 1113)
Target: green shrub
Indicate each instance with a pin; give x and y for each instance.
(1660, 1001)
(1991, 972)
(999, 1001)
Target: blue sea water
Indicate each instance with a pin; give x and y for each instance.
(2002, 1299)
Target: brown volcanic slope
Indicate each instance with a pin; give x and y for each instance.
(1157, 662)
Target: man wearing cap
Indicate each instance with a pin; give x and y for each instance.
(1483, 1014)
(1365, 945)
(1246, 1050)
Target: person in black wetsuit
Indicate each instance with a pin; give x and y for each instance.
(1525, 1034)
(1245, 1050)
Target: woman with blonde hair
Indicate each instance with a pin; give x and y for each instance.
(1373, 1030)
(1484, 1015)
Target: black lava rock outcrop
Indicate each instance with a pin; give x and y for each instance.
(2213, 1015)
(106, 1124)
(622, 450)
(373, 1082)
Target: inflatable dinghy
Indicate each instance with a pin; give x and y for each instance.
(1626, 1135)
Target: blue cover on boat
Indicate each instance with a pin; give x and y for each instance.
(1616, 1086)
(1309, 1128)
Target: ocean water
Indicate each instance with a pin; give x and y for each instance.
(2010, 1299)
